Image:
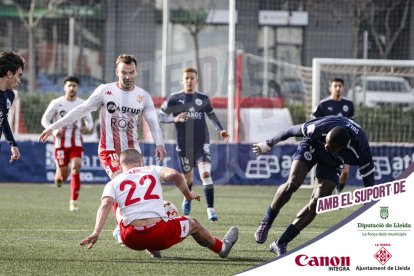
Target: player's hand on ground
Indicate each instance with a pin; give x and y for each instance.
(260, 148)
(45, 134)
(181, 118)
(160, 152)
(90, 241)
(15, 154)
(225, 135)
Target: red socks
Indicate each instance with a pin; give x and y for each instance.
(75, 186)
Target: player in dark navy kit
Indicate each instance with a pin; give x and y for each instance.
(328, 143)
(187, 109)
(11, 70)
(337, 105)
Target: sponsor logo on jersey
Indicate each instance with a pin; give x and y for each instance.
(181, 101)
(112, 108)
(194, 114)
(109, 92)
(62, 113)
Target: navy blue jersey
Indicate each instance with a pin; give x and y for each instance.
(327, 106)
(356, 153)
(6, 101)
(194, 131)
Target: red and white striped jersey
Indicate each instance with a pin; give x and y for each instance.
(72, 136)
(138, 193)
(121, 116)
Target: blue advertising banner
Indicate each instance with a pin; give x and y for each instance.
(231, 163)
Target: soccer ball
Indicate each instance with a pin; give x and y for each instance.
(170, 209)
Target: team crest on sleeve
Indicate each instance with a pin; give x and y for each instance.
(310, 129)
(140, 99)
(308, 155)
(198, 102)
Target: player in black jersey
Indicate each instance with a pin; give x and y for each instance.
(336, 104)
(328, 143)
(11, 70)
(187, 109)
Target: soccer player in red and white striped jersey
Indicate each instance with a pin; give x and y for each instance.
(123, 106)
(68, 139)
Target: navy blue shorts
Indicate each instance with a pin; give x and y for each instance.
(188, 159)
(314, 153)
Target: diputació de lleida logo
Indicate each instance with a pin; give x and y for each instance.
(384, 212)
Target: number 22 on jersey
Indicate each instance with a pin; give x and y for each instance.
(132, 186)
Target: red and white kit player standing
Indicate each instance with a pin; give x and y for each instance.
(123, 104)
(144, 224)
(68, 140)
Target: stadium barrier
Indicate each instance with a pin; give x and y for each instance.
(231, 163)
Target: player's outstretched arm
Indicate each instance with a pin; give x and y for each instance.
(101, 217)
(168, 174)
(261, 148)
(45, 134)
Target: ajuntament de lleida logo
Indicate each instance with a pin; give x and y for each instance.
(384, 212)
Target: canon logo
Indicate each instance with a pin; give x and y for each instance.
(304, 260)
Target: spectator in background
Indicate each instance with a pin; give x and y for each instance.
(336, 104)
(187, 109)
(144, 224)
(11, 70)
(68, 140)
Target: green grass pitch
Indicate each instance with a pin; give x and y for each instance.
(39, 236)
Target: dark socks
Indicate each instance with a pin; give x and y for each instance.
(290, 233)
(209, 195)
(270, 215)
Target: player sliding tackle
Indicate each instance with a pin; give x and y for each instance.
(328, 143)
